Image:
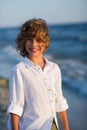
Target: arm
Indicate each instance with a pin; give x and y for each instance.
(14, 121)
(64, 120)
(16, 97)
(61, 102)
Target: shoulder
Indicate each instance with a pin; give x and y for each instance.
(18, 67)
(54, 65)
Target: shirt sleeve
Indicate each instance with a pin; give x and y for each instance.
(16, 93)
(61, 102)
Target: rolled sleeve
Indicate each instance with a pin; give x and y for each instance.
(61, 105)
(16, 93)
(15, 109)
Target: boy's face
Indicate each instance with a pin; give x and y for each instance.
(34, 48)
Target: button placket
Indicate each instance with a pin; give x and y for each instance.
(37, 68)
(49, 91)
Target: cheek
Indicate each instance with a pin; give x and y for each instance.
(27, 46)
(43, 49)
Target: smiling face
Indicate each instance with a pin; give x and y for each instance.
(33, 38)
(34, 48)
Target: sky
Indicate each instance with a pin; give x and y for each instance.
(16, 12)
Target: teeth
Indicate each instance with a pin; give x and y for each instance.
(34, 49)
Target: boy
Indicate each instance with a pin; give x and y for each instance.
(35, 83)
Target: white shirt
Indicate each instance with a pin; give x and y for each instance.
(35, 95)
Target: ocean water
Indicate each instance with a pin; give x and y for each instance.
(68, 49)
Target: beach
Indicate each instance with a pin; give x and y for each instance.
(68, 48)
(77, 112)
(3, 103)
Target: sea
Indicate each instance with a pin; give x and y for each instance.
(68, 48)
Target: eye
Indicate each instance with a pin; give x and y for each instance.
(30, 39)
(39, 40)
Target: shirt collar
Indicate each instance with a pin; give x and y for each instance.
(28, 62)
(47, 62)
(31, 64)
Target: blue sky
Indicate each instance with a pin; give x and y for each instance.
(16, 12)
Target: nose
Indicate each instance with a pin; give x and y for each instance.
(34, 43)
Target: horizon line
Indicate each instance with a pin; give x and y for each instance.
(49, 24)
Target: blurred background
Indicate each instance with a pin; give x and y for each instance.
(67, 21)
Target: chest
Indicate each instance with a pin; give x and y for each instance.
(37, 83)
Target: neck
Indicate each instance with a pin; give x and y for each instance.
(39, 61)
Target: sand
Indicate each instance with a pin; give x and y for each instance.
(77, 112)
(3, 103)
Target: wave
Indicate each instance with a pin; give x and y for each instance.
(70, 38)
(74, 75)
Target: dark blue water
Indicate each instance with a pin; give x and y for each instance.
(68, 49)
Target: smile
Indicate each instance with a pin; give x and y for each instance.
(34, 49)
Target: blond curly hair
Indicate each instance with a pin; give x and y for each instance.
(32, 29)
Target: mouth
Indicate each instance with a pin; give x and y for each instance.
(34, 49)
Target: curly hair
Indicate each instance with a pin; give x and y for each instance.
(32, 29)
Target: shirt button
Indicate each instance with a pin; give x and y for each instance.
(49, 89)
